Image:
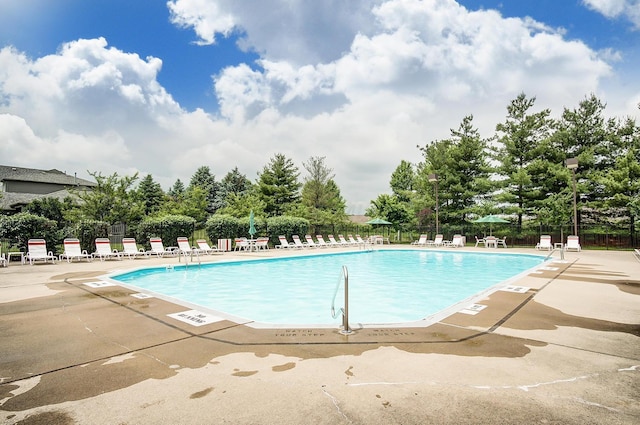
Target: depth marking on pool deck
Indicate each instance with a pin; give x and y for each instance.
(517, 289)
(473, 309)
(100, 284)
(141, 296)
(195, 317)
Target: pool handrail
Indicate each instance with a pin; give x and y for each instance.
(345, 311)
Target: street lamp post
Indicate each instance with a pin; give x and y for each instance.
(433, 178)
(572, 164)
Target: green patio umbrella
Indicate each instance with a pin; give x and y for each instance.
(490, 219)
(252, 224)
(379, 222)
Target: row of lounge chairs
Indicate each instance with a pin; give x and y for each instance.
(37, 250)
(573, 243)
(455, 242)
(244, 244)
(320, 242)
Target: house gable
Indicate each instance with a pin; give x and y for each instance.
(19, 186)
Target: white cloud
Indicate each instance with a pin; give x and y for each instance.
(630, 9)
(359, 82)
(299, 31)
(24, 148)
(205, 17)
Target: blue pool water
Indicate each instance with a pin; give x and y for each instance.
(385, 286)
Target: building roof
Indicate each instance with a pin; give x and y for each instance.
(359, 219)
(41, 176)
(11, 201)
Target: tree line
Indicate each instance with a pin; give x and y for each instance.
(520, 172)
(277, 191)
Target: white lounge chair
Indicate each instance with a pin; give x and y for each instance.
(104, 251)
(479, 241)
(422, 241)
(343, 240)
(360, 240)
(3, 261)
(297, 242)
(38, 251)
(573, 243)
(185, 248)
(321, 242)
(502, 242)
(352, 240)
(157, 248)
(284, 243)
(545, 243)
(438, 241)
(333, 241)
(456, 242)
(205, 248)
(131, 250)
(310, 242)
(72, 251)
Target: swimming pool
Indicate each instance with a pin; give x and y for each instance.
(385, 286)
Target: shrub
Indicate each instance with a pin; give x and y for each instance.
(168, 227)
(287, 226)
(222, 226)
(87, 231)
(21, 227)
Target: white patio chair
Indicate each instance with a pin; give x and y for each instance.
(158, 249)
(310, 242)
(104, 251)
(131, 250)
(321, 242)
(38, 251)
(297, 242)
(284, 243)
(573, 243)
(422, 241)
(185, 248)
(72, 251)
(545, 243)
(205, 248)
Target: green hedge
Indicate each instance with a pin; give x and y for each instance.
(287, 226)
(221, 226)
(21, 227)
(168, 227)
(87, 231)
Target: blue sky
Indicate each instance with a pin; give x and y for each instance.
(165, 87)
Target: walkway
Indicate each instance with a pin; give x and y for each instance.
(565, 349)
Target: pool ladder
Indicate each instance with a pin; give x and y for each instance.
(344, 277)
(554, 250)
(186, 257)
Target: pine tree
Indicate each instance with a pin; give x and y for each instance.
(278, 185)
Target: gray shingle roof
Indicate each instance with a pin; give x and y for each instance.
(41, 176)
(10, 200)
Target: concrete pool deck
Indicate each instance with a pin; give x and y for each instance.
(563, 348)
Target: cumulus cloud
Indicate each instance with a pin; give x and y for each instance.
(359, 82)
(298, 31)
(436, 49)
(630, 9)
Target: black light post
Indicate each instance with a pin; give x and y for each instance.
(433, 178)
(572, 164)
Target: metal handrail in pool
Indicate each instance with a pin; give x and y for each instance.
(345, 311)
